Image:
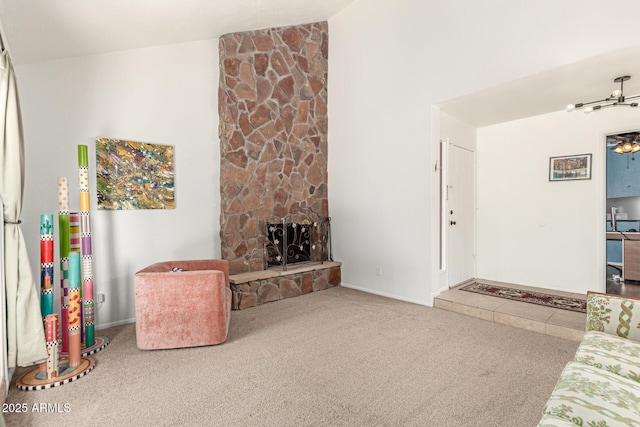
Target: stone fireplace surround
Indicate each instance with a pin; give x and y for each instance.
(273, 146)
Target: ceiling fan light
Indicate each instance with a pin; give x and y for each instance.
(616, 93)
(635, 148)
(618, 148)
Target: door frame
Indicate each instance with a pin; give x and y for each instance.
(444, 217)
(603, 210)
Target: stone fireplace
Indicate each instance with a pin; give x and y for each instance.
(273, 145)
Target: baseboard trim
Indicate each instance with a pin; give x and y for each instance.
(438, 292)
(387, 295)
(116, 323)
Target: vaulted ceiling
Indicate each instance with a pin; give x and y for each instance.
(41, 30)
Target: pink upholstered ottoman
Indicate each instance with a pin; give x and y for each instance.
(182, 304)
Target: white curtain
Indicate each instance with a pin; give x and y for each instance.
(25, 333)
(3, 313)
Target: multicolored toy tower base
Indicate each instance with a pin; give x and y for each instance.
(100, 343)
(32, 380)
(35, 379)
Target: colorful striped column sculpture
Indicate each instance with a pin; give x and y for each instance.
(75, 315)
(46, 264)
(63, 234)
(74, 246)
(87, 254)
(76, 272)
(51, 335)
(74, 232)
(46, 273)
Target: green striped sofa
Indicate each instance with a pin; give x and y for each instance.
(601, 386)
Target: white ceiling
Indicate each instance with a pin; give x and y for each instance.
(41, 30)
(38, 30)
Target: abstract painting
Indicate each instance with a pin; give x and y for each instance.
(134, 175)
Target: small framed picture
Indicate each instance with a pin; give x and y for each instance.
(566, 168)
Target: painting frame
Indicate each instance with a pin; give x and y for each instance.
(576, 167)
(132, 175)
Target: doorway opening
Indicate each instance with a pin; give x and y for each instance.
(623, 213)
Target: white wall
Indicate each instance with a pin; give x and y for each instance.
(389, 62)
(165, 95)
(535, 232)
(378, 152)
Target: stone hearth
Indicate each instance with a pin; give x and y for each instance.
(260, 287)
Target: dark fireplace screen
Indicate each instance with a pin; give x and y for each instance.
(289, 243)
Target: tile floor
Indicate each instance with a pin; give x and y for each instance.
(545, 320)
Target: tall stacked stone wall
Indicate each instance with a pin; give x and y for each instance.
(273, 134)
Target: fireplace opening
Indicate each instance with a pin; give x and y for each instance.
(290, 241)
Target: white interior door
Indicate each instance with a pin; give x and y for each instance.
(460, 215)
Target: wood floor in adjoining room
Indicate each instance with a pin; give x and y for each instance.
(629, 288)
(546, 320)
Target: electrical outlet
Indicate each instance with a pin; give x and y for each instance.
(378, 270)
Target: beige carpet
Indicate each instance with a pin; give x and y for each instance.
(333, 358)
